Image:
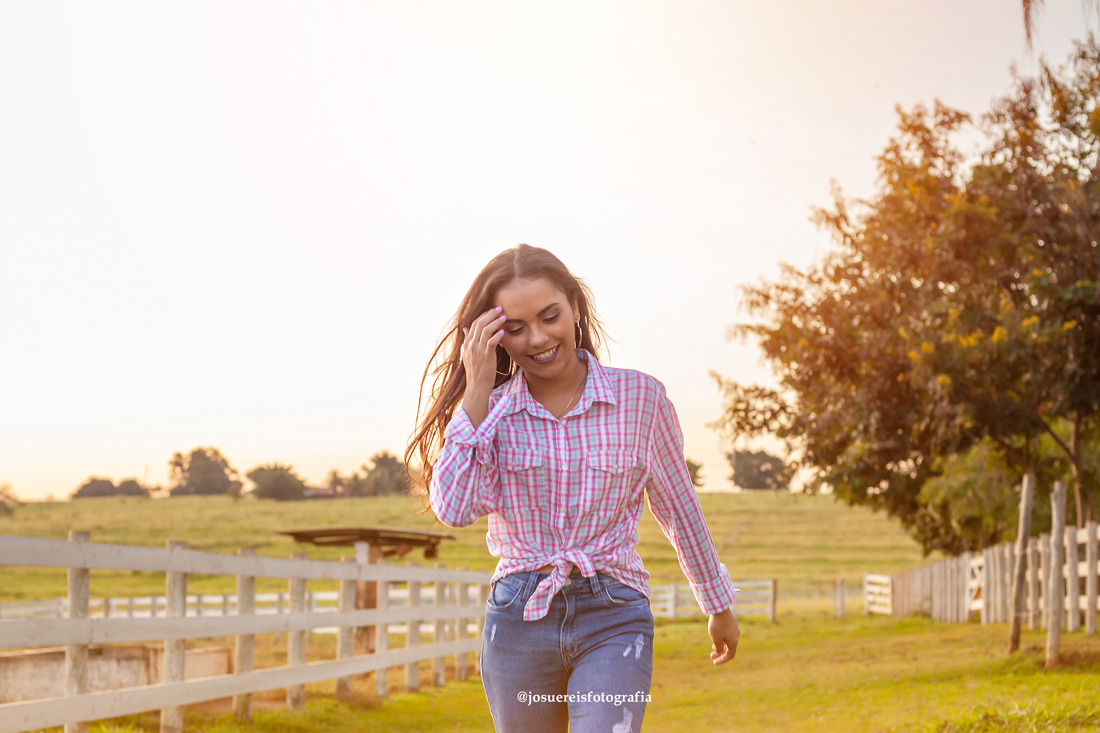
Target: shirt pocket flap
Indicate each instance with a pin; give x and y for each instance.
(610, 461)
(516, 459)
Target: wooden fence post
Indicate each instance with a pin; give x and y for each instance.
(1092, 565)
(987, 583)
(773, 600)
(462, 630)
(1019, 575)
(840, 598)
(245, 644)
(1057, 591)
(1034, 589)
(76, 655)
(175, 650)
(366, 596)
(412, 669)
(382, 630)
(1044, 579)
(296, 640)
(439, 664)
(1073, 581)
(345, 642)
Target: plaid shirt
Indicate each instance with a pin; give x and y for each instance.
(570, 492)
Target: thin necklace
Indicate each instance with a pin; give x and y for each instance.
(576, 395)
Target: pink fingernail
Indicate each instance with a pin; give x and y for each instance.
(499, 308)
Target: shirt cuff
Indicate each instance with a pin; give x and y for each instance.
(460, 431)
(715, 596)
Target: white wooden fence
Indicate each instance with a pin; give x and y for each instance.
(440, 602)
(960, 588)
(451, 615)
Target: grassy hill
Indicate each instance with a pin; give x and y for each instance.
(794, 538)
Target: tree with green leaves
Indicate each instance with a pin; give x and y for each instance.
(384, 476)
(95, 487)
(203, 471)
(961, 305)
(276, 481)
(695, 470)
(8, 500)
(757, 470)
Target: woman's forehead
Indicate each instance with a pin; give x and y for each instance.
(529, 296)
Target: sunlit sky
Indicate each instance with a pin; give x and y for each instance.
(244, 224)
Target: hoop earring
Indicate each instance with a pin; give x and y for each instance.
(579, 336)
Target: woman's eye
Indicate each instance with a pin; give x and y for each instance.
(550, 319)
(513, 331)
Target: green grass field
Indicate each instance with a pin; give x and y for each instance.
(795, 539)
(808, 672)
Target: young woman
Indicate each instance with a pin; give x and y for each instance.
(525, 425)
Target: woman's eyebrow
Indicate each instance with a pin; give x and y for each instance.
(540, 314)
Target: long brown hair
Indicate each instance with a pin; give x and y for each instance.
(445, 372)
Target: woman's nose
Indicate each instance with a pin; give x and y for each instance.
(538, 336)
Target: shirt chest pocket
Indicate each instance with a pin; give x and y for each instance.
(523, 475)
(608, 479)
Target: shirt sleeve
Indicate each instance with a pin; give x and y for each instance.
(465, 481)
(674, 504)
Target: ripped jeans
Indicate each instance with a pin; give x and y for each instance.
(586, 666)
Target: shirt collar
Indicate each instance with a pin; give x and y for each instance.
(596, 389)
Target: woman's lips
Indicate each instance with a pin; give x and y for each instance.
(545, 357)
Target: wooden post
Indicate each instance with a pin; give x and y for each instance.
(366, 596)
(412, 669)
(76, 655)
(175, 650)
(1044, 579)
(1019, 575)
(439, 664)
(774, 598)
(1073, 583)
(462, 631)
(245, 643)
(345, 642)
(382, 640)
(1034, 592)
(1092, 566)
(840, 598)
(987, 583)
(296, 640)
(1056, 589)
(130, 607)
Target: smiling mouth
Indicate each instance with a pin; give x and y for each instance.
(544, 356)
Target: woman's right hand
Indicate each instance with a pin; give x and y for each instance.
(479, 358)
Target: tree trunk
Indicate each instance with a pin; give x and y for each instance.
(1081, 495)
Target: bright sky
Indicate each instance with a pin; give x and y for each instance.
(244, 224)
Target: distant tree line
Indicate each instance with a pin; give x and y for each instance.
(204, 471)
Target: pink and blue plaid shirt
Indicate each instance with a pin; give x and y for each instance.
(570, 491)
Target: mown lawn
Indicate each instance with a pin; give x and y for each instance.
(808, 672)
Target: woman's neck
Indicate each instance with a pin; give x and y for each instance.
(560, 394)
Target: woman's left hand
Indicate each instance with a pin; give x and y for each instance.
(724, 632)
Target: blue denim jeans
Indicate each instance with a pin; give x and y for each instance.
(586, 666)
